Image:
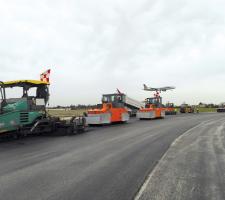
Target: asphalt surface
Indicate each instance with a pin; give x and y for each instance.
(193, 168)
(105, 163)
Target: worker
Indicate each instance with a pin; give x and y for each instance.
(42, 93)
(25, 95)
(85, 114)
(119, 98)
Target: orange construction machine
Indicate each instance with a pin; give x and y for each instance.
(170, 109)
(113, 110)
(185, 108)
(153, 106)
(153, 109)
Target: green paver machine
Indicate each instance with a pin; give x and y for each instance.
(27, 114)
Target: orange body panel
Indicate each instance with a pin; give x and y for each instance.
(170, 109)
(151, 108)
(116, 113)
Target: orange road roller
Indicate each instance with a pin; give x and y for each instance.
(112, 110)
(153, 109)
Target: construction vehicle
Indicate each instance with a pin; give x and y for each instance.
(112, 110)
(185, 108)
(153, 106)
(221, 108)
(131, 104)
(170, 109)
(27, 114)
(153, 109)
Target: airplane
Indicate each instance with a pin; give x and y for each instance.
(161, 89)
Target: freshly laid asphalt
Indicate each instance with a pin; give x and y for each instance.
(113, 162)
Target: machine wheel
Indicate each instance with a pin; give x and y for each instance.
(17, 134)
(78, 124)
(70, 131)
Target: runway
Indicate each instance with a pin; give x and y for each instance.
(105, 163)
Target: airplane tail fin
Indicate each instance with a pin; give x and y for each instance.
(145, 87)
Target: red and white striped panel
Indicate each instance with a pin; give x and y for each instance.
(45, 76)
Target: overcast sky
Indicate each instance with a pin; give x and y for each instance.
(96, 46)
